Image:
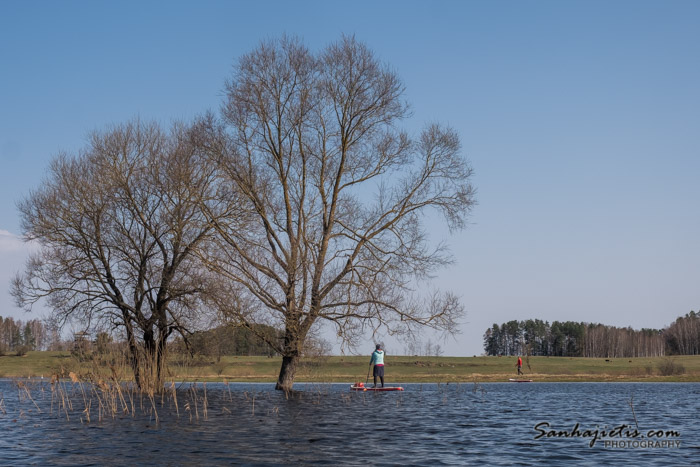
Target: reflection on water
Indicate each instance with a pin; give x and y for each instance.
(427, 424)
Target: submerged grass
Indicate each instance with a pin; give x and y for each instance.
(72, 397)
(404, 369)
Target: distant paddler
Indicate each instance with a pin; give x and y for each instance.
(378, 361)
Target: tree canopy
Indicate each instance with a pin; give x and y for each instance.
(119, 225)
(336, 196)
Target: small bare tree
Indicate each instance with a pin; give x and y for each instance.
(119, 226)
(336, 197)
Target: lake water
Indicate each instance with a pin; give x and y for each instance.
(427, 424)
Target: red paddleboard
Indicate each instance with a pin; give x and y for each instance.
(362, 387)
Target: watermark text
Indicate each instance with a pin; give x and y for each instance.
(619, 436)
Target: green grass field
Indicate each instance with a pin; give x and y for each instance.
(399, 369)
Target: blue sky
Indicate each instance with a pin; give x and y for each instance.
(580, 118)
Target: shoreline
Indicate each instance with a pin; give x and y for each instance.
(403, 369)
(35, 379)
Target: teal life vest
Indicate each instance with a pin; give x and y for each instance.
(377, 357)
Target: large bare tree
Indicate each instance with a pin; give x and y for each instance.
(337, 197)
(119, 227)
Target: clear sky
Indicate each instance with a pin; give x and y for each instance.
(580, 118)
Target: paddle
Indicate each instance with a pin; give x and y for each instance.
(368, 369)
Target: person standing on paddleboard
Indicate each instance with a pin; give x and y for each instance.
(378, 362)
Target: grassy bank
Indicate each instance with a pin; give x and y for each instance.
(401, 369)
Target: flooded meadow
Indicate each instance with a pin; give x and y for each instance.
(74, 423)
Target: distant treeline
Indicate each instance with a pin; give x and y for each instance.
(572, 339)
(230, 340)
(19, 336)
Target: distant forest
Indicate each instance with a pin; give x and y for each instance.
(230, 340)
(18, 337)
(571, 339)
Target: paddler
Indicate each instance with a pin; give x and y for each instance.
(378, 362)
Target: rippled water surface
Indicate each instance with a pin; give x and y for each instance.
(427, 424)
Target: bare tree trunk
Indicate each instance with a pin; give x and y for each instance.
(151, 371)
(285, 380)
(159, 363)
(147, 374)
(133, 351)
